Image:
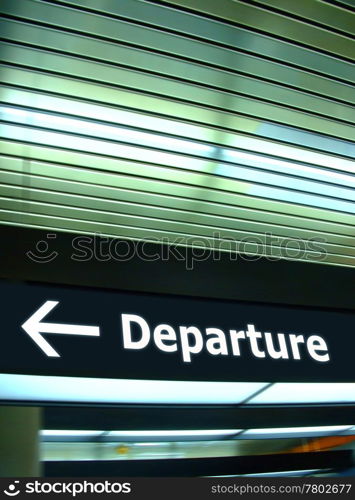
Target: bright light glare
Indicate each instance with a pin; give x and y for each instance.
(310, 199)
(274, 474)
(294, 153)
(284, 393)
(198, 434)
(71, 389)
(272, 185)
(117, 133)
(158, 140)
(96, 390)
(150, 444)
(300, 431)
(69, 433)
(139, 435)
(286, 167)
(350, 431)
(175, 433)
(284, 473)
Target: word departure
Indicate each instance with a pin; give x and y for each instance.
(190, 340)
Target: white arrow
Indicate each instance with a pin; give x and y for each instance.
(34, 328)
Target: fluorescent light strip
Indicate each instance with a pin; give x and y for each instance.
(69, 433)
(300, 393)
(171, 435)
(329, 430)
(201, 434)
(175, 433)
(15, 387)
(286, 432)
(320, 428)
(138, 436)
(95, 390)
(300, 472)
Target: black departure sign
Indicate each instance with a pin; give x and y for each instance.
(76, 332)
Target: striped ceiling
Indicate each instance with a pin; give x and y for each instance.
(225, 124)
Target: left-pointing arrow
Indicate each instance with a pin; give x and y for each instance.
(34, 327)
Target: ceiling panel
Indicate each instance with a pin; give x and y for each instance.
(223, 124)
(255, 16)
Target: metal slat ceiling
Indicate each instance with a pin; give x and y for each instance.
(211, 124)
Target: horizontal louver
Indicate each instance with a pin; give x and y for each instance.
(223, 124)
